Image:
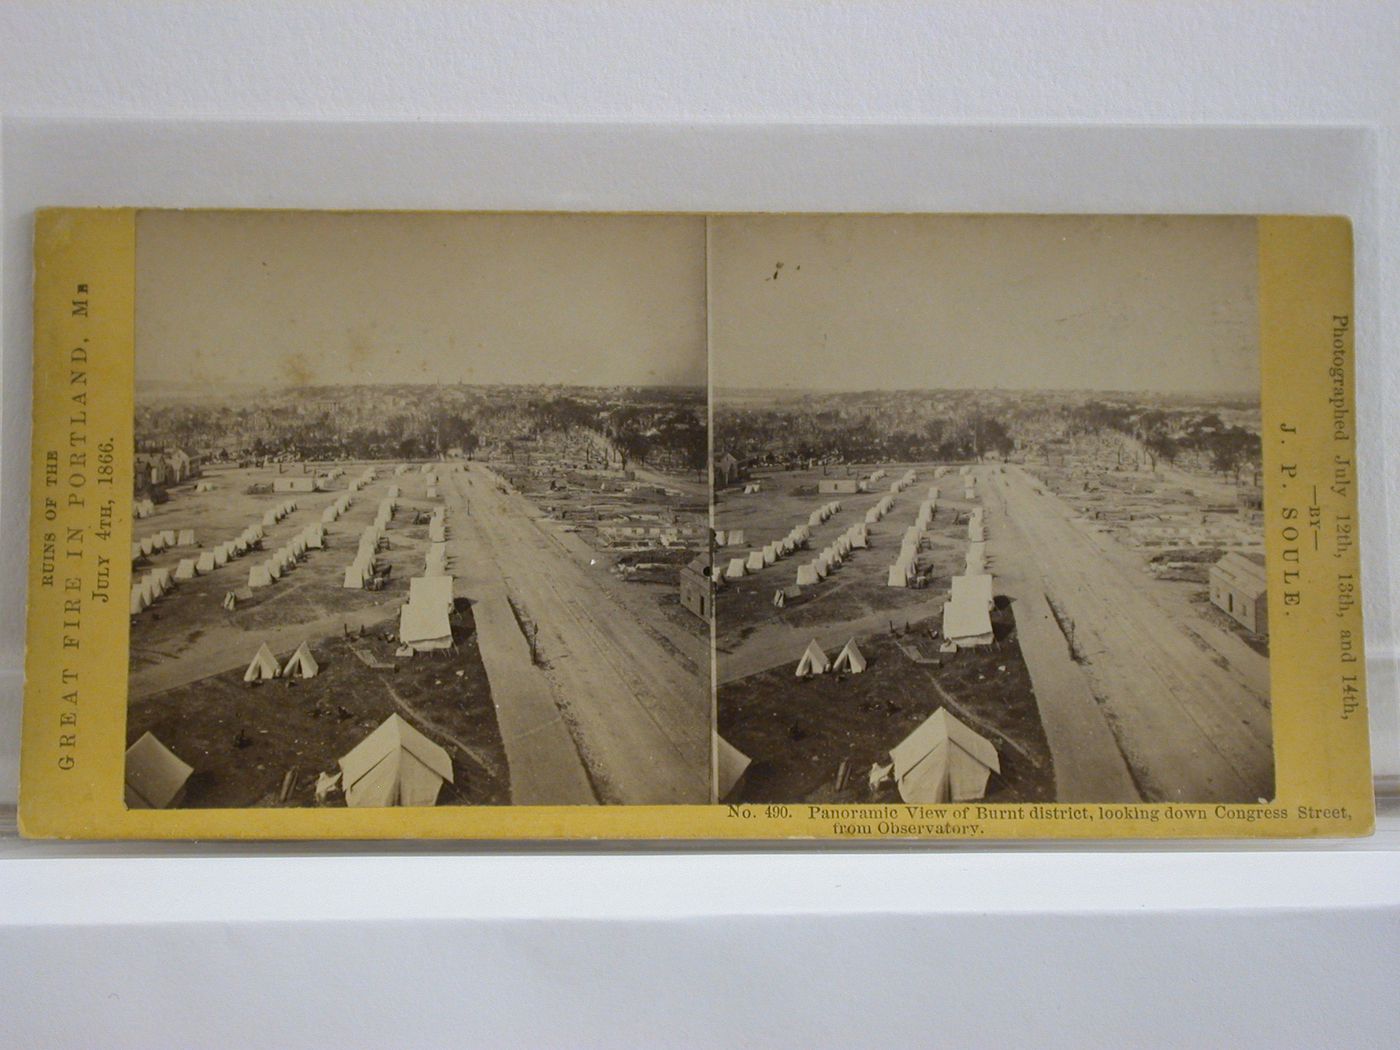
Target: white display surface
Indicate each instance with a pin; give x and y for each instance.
(955, 947)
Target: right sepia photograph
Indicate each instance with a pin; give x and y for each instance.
(987, 509)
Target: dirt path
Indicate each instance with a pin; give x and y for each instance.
(218, 651)
(641, 716)
(1193, 728)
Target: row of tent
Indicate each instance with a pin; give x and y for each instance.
(147, 590)
(312, 537)
(166, 539)
(882, 507)
(977, 544)
(832, 555)
(275, 514)
(395, 765)
(900, 484)
(342, 503)
(906, 565)
(796, 539)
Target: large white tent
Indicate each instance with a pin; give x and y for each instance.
(395, 765)
(943, 761)
(155, 776)
(425, 626)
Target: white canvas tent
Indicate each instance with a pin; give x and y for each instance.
(258, 576)
(733, 768)
(975, 589)
(755, 562)
(205, 562)
(897, 577)
(186, 538)
(155, 776)
(395, 765)
(264, 665)
(813, 661)
(967, 624)
(806, 575)
(354, 579)
(431, 590)
(735, 569)
(424, 626)
(850, 659)
(186, 570)
(302, 664)
(943, 761)
(138, 600)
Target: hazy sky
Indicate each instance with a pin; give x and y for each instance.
(865, 302)
(305, 298)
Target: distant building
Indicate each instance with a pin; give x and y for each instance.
(1249, 499)
(305, 483)
(1239, 586)
(726, 470)
(697, 591)
(838, 485)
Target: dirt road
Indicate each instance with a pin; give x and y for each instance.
(1193, 727)
(1089, 766)
(641, 717)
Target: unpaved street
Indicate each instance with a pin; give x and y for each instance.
(1193, 727)
(641, 718)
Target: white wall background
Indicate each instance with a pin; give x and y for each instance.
(1305, 968)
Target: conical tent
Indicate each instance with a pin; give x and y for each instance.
(850, 658)
(155, 775)
(732, 772)
(302, 664)
(813, 661)
(943, 761)
(264, 665)
(395, 765)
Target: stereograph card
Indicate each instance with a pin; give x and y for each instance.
(662, 526)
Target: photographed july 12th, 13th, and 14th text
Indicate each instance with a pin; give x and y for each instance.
(810, 516)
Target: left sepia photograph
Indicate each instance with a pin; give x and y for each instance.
(420, 511)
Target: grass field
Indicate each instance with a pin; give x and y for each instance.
(798, 731)
(307, 725)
